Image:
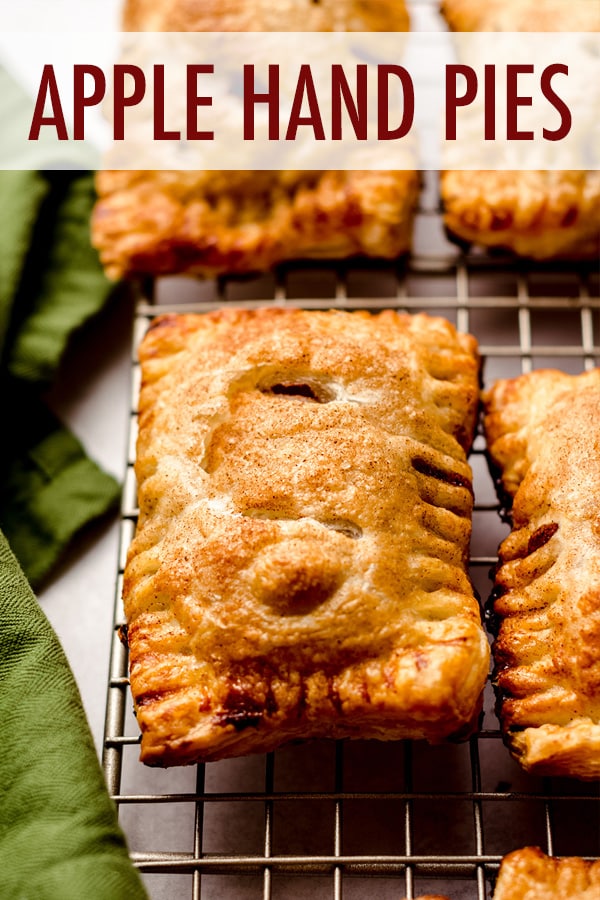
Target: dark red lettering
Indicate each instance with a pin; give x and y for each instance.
(48, 91)
(384, 132)
(194, 101)
(357, 109)
(453, 101)
(251, 98)
(565, 113)
(123, 100)
(514, 101)
(305, 90)
(160, 132)
(489, 109)
(81, 99)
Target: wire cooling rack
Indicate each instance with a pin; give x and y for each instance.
(359, 819)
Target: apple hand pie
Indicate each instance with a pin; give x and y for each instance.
(536, 214)
(529, 874)
(299, 564)
(543, 435)
(209, 222)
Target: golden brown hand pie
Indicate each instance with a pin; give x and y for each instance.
(529, 874)
(299, 566)
(521, 15)
(265, 15)
(543, 434)
(208, 223)
(537, 214)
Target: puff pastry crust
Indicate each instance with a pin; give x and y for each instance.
(265, 15)
(537, 214)
(529, 874)
(543, 436)
(299, 565)
(521, 15)
(210, 223)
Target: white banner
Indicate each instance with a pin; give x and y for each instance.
(422, 100)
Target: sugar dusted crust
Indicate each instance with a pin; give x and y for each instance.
(211, 223)
(535, 214)
(543, 436)
(529, 874)
(299, 566)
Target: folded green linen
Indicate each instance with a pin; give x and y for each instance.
(50, 489)
(59, 837)
(51, 283)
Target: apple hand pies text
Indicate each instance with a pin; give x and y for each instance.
(299, 565)
(543, 434)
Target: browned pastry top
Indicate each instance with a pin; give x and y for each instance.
(536, 214)
(529, 874)
(540, 214)
(522, 15)
(543, 432)
(299, 564)
(209, 222)
(213, 222)
(265, 15)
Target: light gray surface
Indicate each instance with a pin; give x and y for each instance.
(92, 396)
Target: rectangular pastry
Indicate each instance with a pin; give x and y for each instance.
(543, 436)
(299, 564)
(536, 214)
(529, 874)
(210, 222)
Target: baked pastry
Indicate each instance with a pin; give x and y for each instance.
(529, 874)
(265, 15)
(521, 15)
(299, 565)
(536, 214)
(210, 222)
(543, 437)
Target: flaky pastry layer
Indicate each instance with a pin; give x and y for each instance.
(543, 436)
(529, 874)
(210, 223)
(299, 565)
(265, 15)
(535, 214)
(521, 15)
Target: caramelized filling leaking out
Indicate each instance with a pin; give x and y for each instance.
(452, 478)
(541, 536)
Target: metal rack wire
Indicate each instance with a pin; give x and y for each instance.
(326, 819)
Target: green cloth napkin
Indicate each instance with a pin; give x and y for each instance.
(59, 837)
(51, 283)
(59, 833)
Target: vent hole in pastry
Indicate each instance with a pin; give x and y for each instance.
(342, 526)
(454, 479)
(301, 388)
